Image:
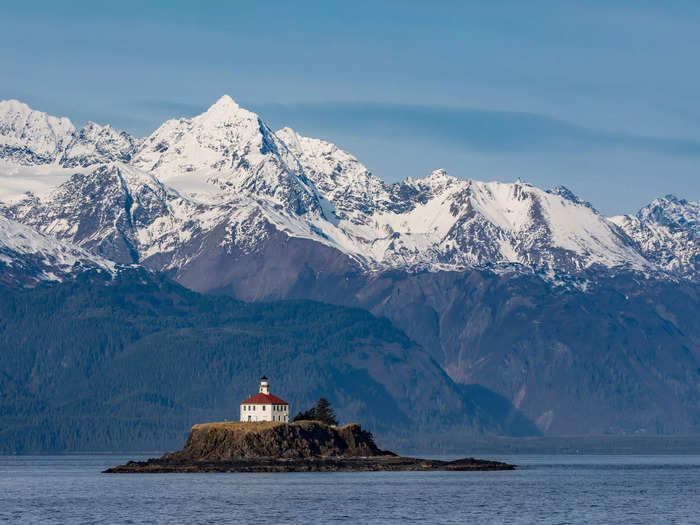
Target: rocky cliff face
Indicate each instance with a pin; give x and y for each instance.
(303, 439)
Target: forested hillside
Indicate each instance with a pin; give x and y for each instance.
(131, 363)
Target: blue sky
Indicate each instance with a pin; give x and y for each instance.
(599, 96)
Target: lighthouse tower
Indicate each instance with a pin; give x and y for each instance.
(263, 406)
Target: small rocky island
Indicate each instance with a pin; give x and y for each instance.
(302, 446)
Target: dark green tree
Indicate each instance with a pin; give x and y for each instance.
(309, 415)
(324, 412)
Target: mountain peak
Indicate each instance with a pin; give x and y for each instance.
(225, 108)
(225, 102)
(28, 136)
(91, 125)
(438, 174)
(13, 108)
(229, 148)
(672, 211)
(94, 143)
(569, 195)
(289, 136)
(13, 105)
(670, 199)
(438, 177)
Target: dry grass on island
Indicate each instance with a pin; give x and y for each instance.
(241, 426)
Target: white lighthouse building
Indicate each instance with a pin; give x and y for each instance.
(263, 406)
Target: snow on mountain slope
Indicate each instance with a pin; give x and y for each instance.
(667, 232)
(27, 256)
(565, 192)
(444, 222)
(31, 137)
(94, 144)
(222, 180)
(233, 151)
(338, 176)
(129, 216)
(18, 181)
(99, 209)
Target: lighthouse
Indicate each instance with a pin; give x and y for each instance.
(264, 406)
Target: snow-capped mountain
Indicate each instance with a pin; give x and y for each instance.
(223, 182)
(27, 257)
(94, 144)
(100, 209)
(340, 177)
(227, 151)
(441, 222)
(667, 232)
(31, 137)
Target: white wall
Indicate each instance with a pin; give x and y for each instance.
(265, 413)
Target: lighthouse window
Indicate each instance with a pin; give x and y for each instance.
(263, 407)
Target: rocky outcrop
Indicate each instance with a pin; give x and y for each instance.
(302, 439)
(304, 446)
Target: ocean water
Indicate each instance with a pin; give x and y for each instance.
(544, 489)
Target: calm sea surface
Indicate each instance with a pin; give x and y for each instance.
(545, 489)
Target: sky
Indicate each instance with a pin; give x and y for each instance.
(601, 97)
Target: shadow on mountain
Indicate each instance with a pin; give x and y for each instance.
(513, 422)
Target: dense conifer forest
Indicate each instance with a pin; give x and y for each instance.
(131, 363)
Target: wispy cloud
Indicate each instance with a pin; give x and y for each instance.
(480, 130)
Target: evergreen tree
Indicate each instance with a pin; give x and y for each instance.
(324, 412)
(309, 415)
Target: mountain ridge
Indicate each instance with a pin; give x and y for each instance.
(28, 257)
(228, 154)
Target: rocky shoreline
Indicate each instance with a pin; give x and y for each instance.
(330, 464)
(305, 446)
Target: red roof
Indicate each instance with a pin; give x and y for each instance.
(264, 399)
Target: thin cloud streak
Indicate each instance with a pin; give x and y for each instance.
(479, 130)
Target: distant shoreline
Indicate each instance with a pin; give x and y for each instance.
(563, 445)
